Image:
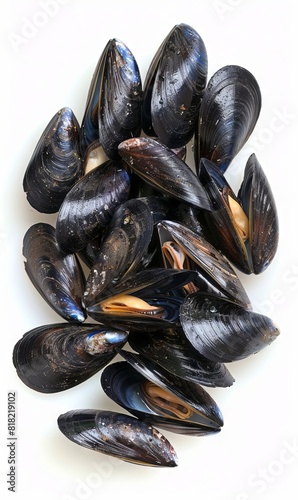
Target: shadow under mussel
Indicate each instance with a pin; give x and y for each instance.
(158, 397)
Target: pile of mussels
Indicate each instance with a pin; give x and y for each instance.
(146, 247)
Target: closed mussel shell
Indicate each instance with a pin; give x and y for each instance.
(118, 435)
(161, 168)
(223, 331)
(90, 205)
(121, 250)
(179, 82)
(57, 276)
(229, 111)
(170, 349)
(120, 98)
(56, 163)
(53, 358)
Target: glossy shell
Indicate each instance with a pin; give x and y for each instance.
(90, 205)
(161, 168)
(223, 331)
(56, 163)
(174, 86)
(53, 358)
(118, 435)
(171, 350)
(57, 276)
(229, 111)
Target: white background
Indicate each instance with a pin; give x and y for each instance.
(48, 61)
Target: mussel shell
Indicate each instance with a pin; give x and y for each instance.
(57, 276)
(229, 111)
(151, 285)
(259, 205)
(90, 205)
(118, 435)
(127, 387)
(223, 331)
(56, 163)
(160, 167)
(53, 358)
(170, 349)
(122, 249)
(89, 124)
(189, 392)
(211, 263)
(120, 99)
(179, 82)
(220, 221)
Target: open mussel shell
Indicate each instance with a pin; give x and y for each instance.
(259, 205)
(118, 435)
(122, 249)
(170, 349)
(223, 331)
(179, 401)
(243, 227)
(57, 276)
(90, 205)
(53, 358)
(229, 111)
(142, 301)
(120, 98)
(56, 163)
(175, 83)
(211, 263)
(160, 167)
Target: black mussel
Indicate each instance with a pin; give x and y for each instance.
(174, 86)
(173, 397)
(259, 205)
(90, 205)
(180, 244)
(120, 98)
(56, 357)
(57, 276)
(223, 331)
(142, 301)
(170, 349)
(228, 114)
(160, 167)
(56, 163)
(94, 157)
(243, 227)
(89, 126)
(118, 435)
(122, 249)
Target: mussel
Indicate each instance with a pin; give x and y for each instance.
(170, 349)
(55, 357)
(145, 300)
(243, 227)
(229, 111)
(56, 275)
(56, 163)
(223, 331)
(160, 167)
(90, 205)
(118, 435)
(156, 396)
(122, 249)
(183, 248)
(174, 87)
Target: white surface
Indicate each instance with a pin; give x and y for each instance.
(48, 62)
